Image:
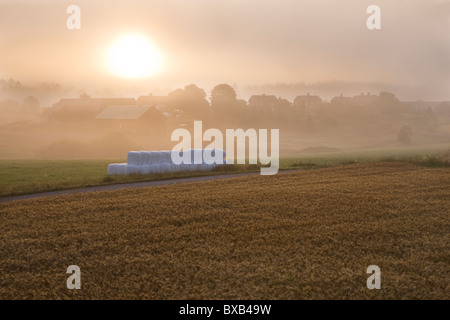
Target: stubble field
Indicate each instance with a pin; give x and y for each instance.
(304, 235)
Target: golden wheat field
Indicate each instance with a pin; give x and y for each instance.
(303, 235)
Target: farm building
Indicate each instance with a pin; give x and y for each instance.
(266, 103)
(307, 102)
(83, 109)
(130, 116)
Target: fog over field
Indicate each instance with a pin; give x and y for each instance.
(309, 68)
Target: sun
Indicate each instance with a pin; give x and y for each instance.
(133, 56)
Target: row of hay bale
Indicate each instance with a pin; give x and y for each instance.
(153, 162)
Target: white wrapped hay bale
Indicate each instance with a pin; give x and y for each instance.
(121, 168)
(112, 169)
(175, 167)
(145, 158)
(131, 169)
(176, 157)
(155, 157)
(166, 156)
(188, 156)
(154, 168)
(134, 158)
(144, 169)
(194, 167)
(208, 156)
(184, 167)
(213, 156)
(219, 156)
(164, 167)
(197, 156)
(145, 162)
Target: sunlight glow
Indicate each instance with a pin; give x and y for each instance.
(133, 56)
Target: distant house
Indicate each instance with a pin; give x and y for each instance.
(266, 102)
(130, 116)
(82, 109)
(262, 101)
(365, 100)
(307, 102)
(341, 100)
(93, 104)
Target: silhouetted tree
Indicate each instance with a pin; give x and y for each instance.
(223, 100)
(176, 99)
(388, 102)
(191, 101)
(195, 99)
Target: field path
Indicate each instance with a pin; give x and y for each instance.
(120, 186)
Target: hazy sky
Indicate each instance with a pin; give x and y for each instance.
(236, 41)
